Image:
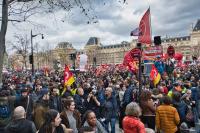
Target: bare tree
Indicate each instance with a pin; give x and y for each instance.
(21, 45)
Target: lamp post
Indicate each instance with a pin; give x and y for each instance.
(32, 36)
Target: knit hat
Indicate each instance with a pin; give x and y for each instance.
(43, 91)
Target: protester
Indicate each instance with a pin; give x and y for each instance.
(41, 107)
(80, 101)
(131, 122)
(52, 123)
(92, 121)
(55, 100)
(167, 117)
(71, 118)
(148, 109)
(19, 124)
(110, 109)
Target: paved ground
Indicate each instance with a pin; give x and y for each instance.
(117, 129)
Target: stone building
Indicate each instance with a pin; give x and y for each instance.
(107, 54)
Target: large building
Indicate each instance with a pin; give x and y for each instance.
(113, 54)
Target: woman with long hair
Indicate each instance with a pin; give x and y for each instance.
(53, 124)
(148, 109)
(71, 118)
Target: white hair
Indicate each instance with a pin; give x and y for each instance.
(19, 112)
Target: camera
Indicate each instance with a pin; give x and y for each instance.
(94, 91)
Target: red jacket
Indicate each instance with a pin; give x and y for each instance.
(133, 125)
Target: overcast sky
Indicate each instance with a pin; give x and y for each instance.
(115, 21)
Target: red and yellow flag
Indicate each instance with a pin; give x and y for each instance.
(68, 77)
(155, 75)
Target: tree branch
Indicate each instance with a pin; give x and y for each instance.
(12, 20)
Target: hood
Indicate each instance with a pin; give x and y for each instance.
(16, 126)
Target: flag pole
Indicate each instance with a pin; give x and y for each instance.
(150, 23)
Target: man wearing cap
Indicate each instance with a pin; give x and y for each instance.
(19, 124)
(26, 102)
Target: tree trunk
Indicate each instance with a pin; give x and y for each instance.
(4, 25)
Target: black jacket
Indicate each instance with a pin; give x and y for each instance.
(55, 103)
(20, 126)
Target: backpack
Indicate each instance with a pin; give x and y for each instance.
(4, 111)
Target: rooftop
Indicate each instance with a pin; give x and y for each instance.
(174, 39)
(197, 26)
(93, 41)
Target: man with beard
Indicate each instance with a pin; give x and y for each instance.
(25, 101)
(41, 107)
(55, 100)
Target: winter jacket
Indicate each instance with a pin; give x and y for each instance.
(133, 125)
(20, 126)
(65, 119)
(80, 102)
(99, 127)
(27, 103)
(167, 119)
(55, 103)
(181, 108)
(110, 108)
(128, 96)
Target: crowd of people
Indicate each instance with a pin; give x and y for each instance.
(94, 104)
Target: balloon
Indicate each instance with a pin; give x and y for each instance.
(165, 56)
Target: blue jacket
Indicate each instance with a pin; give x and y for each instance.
(128, 96)
(110, 108)
(160, 67)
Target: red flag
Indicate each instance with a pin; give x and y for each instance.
(129, 62)
(144, 29)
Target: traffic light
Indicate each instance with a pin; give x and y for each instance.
(31, 59)
(72, 56)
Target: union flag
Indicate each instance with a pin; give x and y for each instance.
(68, 77)
(155, 75)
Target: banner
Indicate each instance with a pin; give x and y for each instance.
(150, 53)
(83, 59)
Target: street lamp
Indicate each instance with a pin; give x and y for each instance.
(32, 36)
